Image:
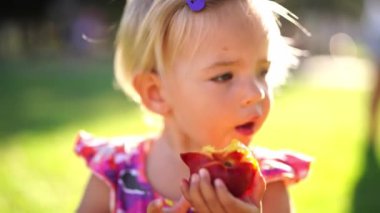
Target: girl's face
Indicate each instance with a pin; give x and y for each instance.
(219, 92)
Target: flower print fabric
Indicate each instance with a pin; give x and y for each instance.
(120, 162)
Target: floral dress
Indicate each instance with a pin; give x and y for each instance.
(120, 163)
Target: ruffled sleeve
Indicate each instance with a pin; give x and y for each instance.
(286, 166)
(105, 157)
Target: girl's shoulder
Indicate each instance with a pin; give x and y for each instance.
(282, 165)
(107, 157)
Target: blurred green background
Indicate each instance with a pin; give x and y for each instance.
(56, 79)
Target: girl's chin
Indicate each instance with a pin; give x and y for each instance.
(245, 141)
(222, 142)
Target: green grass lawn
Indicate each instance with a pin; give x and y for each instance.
(44, 104)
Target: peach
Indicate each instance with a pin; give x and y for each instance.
(234, 165)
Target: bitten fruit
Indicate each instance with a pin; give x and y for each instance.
(234, 165)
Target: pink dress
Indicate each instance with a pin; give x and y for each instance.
(120, 163)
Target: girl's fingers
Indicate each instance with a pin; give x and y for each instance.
(195, 195)
(155, 206)
(231, 203)
(185, 187)
(224, 196)
(206, 198)
(208, 192)
(260, 186)
(179, 207)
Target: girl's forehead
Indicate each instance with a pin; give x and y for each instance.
(236, 15)
(229, 23)
(199, 29)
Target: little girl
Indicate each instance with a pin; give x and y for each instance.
(206, 67)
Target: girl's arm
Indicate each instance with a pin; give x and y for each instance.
(96, 198)
(276, 198)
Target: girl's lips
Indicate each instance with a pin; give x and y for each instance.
(246, 129)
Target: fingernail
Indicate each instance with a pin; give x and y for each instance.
(218, 183)
(194, 178)
(158, 203)
(203, 173)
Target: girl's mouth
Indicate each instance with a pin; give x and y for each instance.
(246, 129)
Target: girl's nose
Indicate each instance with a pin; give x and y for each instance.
(254, 93)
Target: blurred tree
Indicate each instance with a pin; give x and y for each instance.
(20, 26)
(40, 21)
(45, 26)
(19, 9)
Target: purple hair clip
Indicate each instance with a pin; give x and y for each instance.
(196, 5)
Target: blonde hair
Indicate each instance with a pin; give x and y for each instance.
(147, 26)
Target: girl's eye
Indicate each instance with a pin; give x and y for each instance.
(263, 69)
(263, 73)
(223, 78)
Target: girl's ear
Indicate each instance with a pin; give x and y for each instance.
(148, 86)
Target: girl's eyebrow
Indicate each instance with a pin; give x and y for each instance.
(224, 63)
(235, 62)
(264, 62)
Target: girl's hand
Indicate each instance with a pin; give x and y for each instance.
(157, 206)
(208, 199)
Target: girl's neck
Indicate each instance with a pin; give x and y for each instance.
(177, 141)
(165, 169)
